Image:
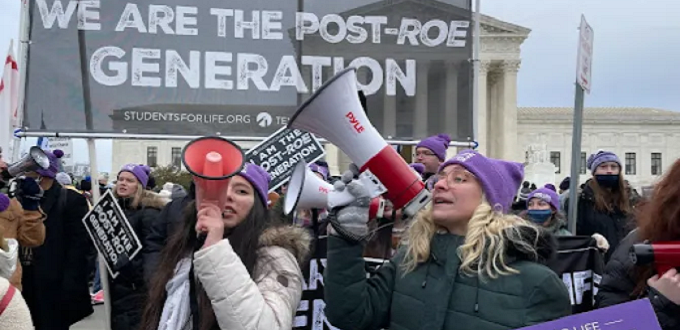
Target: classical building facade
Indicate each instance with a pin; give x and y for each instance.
(499, 62)
(643, 138)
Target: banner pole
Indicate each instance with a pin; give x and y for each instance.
(475, 67)
(125, 136)
(103, 270)
(94, 172)
(575, 159)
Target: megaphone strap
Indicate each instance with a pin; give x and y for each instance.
(344, 233)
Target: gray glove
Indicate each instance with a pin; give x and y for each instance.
(351, 221)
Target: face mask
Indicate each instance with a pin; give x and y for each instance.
(607, 180)
(539, 216)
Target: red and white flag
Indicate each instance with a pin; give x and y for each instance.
(9, 102)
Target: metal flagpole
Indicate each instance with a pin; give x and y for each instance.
(24, 42)
(94, 172)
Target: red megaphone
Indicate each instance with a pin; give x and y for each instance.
(663, 255)
(212, 161)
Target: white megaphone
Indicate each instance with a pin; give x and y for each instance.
(335, 113)
(308, 191)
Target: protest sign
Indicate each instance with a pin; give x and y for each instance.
(580, 264)
(243, 67)
(279, 153)
(111, 233)
(635, 315)
(310, 313)
(65, 145)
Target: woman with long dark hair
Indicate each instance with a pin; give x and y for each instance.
(658, 221)
(247, 269)
(605, 205)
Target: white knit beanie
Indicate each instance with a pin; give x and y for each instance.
(64, 179)
(16, 315)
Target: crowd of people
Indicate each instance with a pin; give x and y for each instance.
(475, 258)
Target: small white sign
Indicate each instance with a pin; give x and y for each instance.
(65, 145)
(584, 62)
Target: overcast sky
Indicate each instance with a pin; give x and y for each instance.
(636, 49)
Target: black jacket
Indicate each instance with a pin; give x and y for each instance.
(170, 220)
(619, 281)
(614, 226)
(55, 275)
(129, 289)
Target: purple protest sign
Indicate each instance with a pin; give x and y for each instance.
(635, 315)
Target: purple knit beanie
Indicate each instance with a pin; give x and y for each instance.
(141, 172)
(600, 157)
(319, 169)
(55, 164)
(4, 203)
(500, 179)
(420, 168)
(546, 194)
(259, 178)
(438, 144)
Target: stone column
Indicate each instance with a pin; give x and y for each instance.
(389, 116)
(451, 99)
(494, 120)
(422, 94)
(332, 154)
(509, 150)
(482, 108)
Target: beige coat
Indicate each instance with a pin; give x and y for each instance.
(26, 227)
(269, 302)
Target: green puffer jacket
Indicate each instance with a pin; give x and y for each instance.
(435, 296)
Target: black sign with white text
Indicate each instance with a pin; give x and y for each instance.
(580, 264)
(279, 153)
(111, 233)
(310, 313)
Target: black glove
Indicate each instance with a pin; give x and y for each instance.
(29, 193)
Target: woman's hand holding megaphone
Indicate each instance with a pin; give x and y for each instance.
(351, 221)
(210, 223)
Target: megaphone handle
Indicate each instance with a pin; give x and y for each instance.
(342, 198)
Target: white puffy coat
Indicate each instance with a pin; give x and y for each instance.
(16, 315)
(269, 302)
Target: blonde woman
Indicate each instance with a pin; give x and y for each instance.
(467, 265)
(142, 208)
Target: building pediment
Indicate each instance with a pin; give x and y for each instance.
(494, 27)
(414, 7)
(490, 26)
